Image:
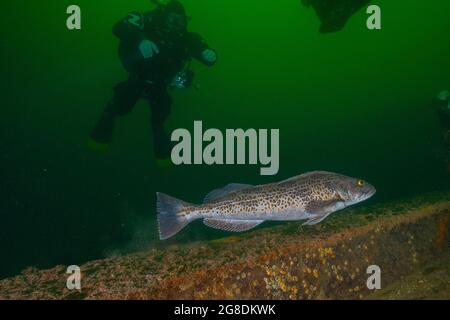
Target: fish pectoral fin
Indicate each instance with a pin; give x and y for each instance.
(232, 225)
(223, 192)
(318, 207)
(316, 220)
(322, 209)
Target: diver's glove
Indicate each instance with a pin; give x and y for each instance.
(209, 56)
(442, 100)
(148, 49)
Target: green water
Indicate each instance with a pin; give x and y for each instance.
(355, 102)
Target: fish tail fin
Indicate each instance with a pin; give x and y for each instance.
(170, 218)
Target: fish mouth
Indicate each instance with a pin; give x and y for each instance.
(368, 194)
(363, 197)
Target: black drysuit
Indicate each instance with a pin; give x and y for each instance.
(148, 78)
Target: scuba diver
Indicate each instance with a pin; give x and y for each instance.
(156, 49)
(441, 104)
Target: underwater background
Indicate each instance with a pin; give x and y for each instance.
(355, 102)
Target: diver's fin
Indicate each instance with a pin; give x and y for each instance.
(232, 225)
(163, 163)
(334, 15)
(223, 192)
(170, 221)
(97, 146)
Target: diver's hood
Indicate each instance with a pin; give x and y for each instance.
(175, 6)
(174, 18)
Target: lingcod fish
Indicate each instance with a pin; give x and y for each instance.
(239, 207)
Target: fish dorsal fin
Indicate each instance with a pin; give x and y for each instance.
(232, 225)
(223, 192)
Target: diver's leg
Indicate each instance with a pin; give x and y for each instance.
(161, 103)
(126, 95)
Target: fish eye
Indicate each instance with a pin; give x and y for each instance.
(360, 183)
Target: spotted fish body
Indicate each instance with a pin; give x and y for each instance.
(239, 207)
